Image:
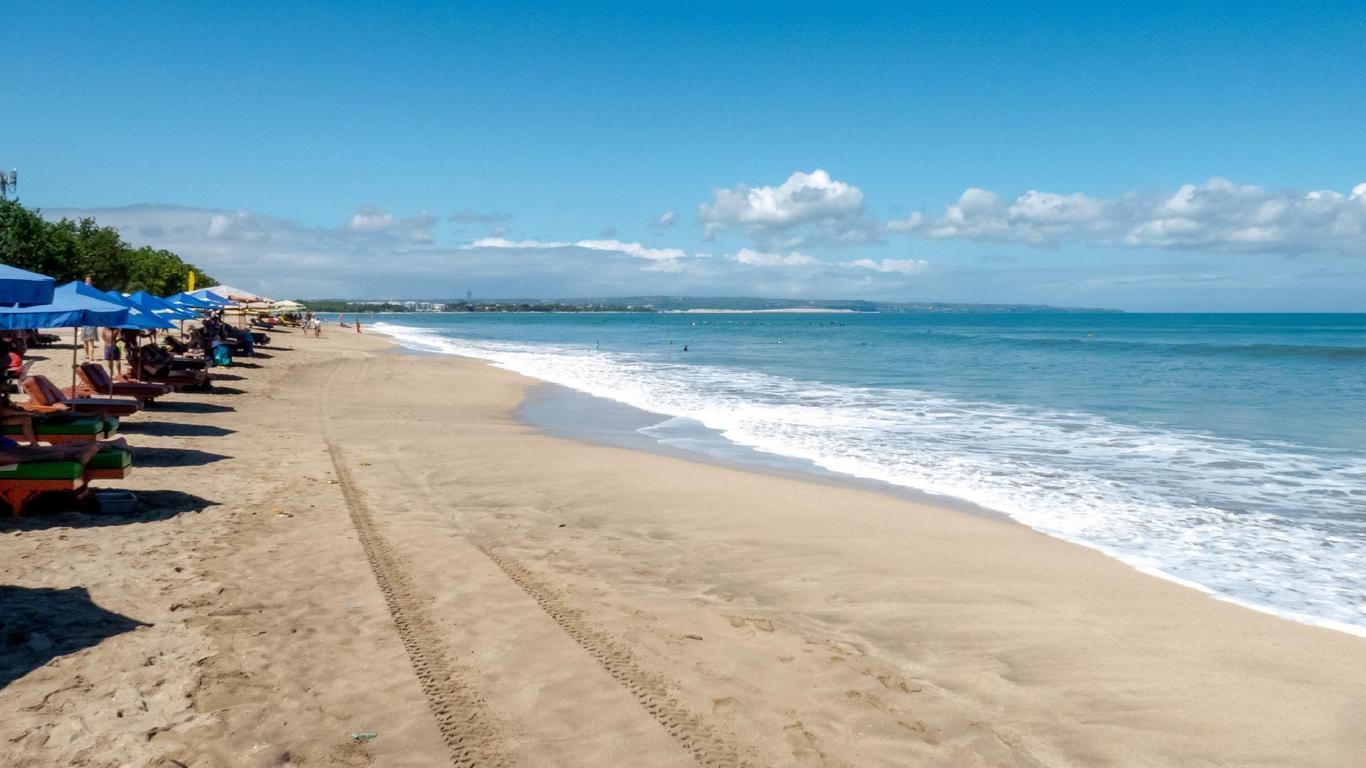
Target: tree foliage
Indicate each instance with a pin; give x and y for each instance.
(69, 250)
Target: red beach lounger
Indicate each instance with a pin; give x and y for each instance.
(97, 382)
(45, 396)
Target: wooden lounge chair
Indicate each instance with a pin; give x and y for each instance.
(21, 483)
(159, 372)
(109, 464)
(84, 430)
(96, 382)
(176, 380)
(44, 396)
(184, 356)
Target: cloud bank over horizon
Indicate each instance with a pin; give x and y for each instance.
(810, 235)
(1217, 215)
(375, 254)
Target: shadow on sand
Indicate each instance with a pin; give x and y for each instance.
(193, 407)
(37, 625)
(173, 429)
(174, 457)
(55, 511)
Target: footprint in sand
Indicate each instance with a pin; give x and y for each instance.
(761, 624)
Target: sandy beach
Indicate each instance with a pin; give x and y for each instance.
(350, 555)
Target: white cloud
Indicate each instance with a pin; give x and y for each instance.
(635, 250)
(494, 223)
(898, 266)
(283, 258)
(499, 242)
(471, 216)
(910, 223)
(823, 209)
(369, 218)
(762, 259)
(1217, 215)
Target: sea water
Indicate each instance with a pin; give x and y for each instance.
(1227, 452)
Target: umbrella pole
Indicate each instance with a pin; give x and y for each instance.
(75, 344)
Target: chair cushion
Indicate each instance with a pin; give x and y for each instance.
(111, 458)
(44, 470)
(81, 427)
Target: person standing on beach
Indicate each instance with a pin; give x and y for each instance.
(112, 358)
(89, 335)
(357, 326)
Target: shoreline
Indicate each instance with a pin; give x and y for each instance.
(381, 542)
(1205, 625)
(746, 458)
(602, 421)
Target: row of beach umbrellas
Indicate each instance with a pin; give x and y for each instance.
(31, 300)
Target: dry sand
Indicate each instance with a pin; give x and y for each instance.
(349, 540)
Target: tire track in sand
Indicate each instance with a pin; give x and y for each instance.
(688, 729)
(460, 714)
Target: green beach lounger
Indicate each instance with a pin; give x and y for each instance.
(109, 464)
(78, 431)
(20, 483)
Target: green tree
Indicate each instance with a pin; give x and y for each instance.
(74, 250)
(24, 241)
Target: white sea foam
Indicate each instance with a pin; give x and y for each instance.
(1263, 525)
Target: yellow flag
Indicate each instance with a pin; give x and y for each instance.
(191, 281)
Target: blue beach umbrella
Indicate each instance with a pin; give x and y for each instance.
(71, 307)
(147, 302)
(138, 318)
(18, 286)
(207, 296)
(187, 301)
(67, 309)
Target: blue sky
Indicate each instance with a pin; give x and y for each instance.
(1182, 156)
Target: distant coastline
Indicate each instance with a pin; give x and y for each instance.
(786, 310)
(692, 304)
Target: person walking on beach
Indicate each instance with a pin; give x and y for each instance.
(358, 326)
(112, 358)
(89, 335)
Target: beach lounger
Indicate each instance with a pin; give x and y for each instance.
(178, 380)
(44, 396)
(97, 382)
(84, 430)
(182, 350)
(21, 483)
(109, 464)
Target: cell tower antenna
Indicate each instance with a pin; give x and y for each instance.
(9, 183)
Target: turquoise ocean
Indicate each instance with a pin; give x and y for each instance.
(1227, 452)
